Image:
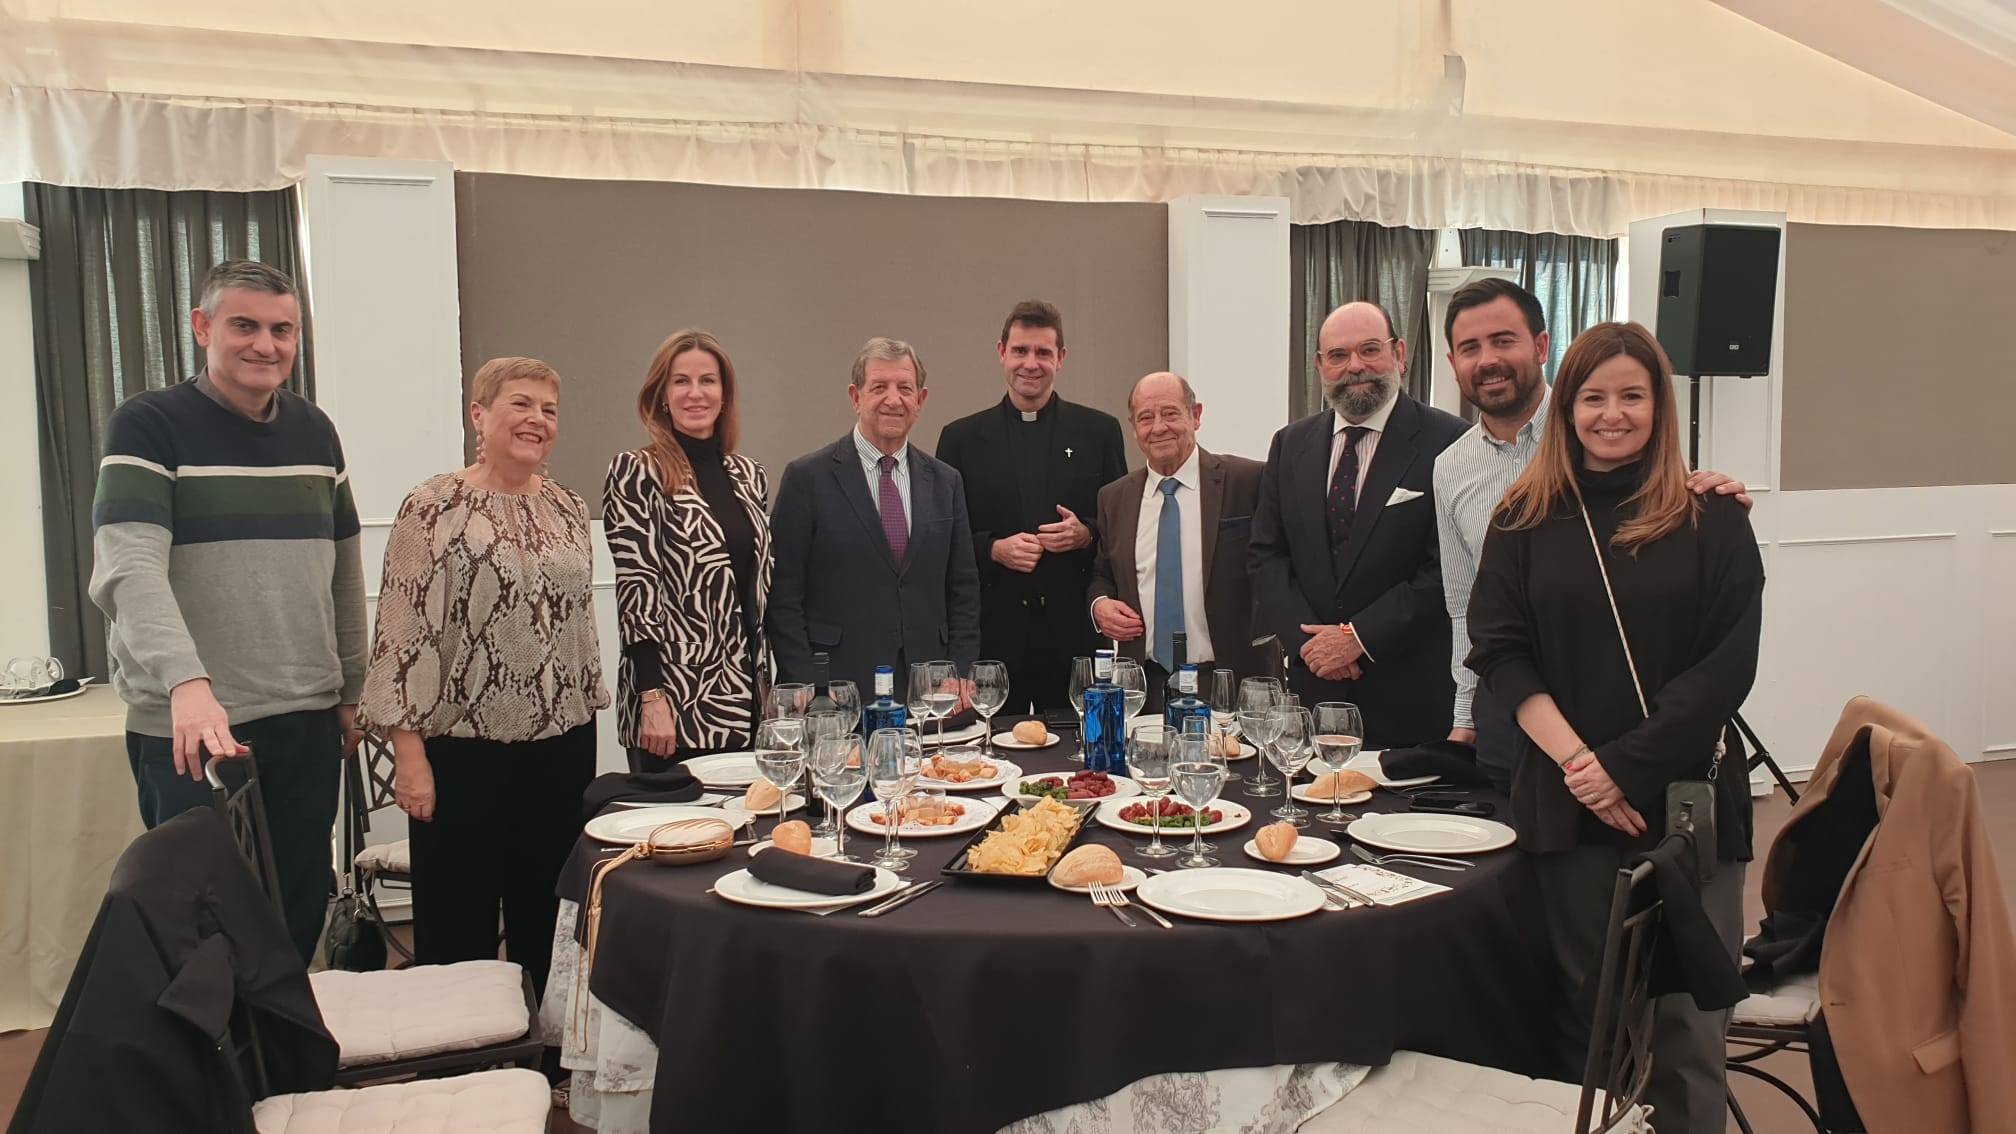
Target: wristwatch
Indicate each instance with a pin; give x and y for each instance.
(650, 695)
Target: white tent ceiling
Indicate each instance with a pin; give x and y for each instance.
(1579, 113)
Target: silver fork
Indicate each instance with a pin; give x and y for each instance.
(1119, 899)
(1105, 902)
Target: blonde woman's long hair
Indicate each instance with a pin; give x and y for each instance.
(1663, 503)
(668, 461)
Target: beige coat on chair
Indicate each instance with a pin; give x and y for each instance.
(1918, 971)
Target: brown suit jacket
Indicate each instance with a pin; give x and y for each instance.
(1918, 968)
(1229, 488)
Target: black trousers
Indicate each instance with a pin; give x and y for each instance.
(505, 818)
(300, 759)
(1040, 679)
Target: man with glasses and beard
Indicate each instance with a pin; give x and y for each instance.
(1344, 556)
(1497, 337)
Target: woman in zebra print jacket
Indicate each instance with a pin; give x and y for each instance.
(687, 523)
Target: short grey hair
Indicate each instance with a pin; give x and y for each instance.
(248, 274)
(1189, 395)
(881, 349)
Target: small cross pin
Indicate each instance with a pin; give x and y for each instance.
(1067, 451)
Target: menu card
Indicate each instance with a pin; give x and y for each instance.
(1385, 887)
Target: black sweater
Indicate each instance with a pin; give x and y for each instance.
(1692, 603)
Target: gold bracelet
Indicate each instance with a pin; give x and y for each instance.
(1578, 752)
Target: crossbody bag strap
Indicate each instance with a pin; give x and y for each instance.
(1618, 618)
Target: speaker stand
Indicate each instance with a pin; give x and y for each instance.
(1760, 756)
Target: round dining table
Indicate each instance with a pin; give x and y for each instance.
(984, 1002)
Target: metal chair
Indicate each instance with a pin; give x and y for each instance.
(498, 1002)
(368, 789)
(1619, 1064)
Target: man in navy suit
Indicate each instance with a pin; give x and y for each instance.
(874, 553)
(1344, 552)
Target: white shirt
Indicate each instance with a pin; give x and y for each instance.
(1147, 534)
(871, 464)
(1367, 445)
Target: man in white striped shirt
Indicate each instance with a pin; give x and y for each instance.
(1497, 336)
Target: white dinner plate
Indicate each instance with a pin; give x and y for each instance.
(744, 888)
(1123, 788)
(1306, 793)
(632, 824)
(45, 698)
(1368, 763)
(729, 769)
(1007, 740)
(1231, 893)
(1308, 851)
(929, 731)
(1234, 817)
(1431, 834)
(1005, 771)
(979, 813)
(706, 799)
(792, 802)
(1130, 877)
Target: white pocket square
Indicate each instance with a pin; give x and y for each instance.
(1402, 496)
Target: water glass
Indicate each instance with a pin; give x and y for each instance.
(944, 694)
(1133, 683)
(1149, 749)
(827, 743)
(1340, 729)
(840, 784)
(892, 761)
(1291, 752)
(31, 677)
(1197, 783)
(787, 701)
(780, 756)
(1224, 706)
(990, 693)
(1260, 695)
(846, 697)
(1081, 677)
(1196, 744)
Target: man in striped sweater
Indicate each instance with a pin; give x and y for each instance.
(226, 557)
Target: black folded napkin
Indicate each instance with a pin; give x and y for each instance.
(638, 787)
(1451, 760)
(812, 875)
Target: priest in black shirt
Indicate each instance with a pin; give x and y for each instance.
(1033, 465)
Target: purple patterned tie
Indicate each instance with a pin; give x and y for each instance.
(895, 528)
(1342, 502)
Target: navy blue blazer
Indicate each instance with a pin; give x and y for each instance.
(837, 589)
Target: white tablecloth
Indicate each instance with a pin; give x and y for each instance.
(615, 1067)
(66, 813)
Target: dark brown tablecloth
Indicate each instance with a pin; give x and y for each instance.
(982, 1003)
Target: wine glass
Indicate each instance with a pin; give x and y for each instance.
(1224, 704)
(1197, 783)
(1133, 683)
(990, 693)
(1340, 729)
(1290, 753)
(846, 697)
(1260, 694)
(1149, 748)
(1081, 676)
(919, 699)
(821, 727)
(1194, 745)
(787, 701)
(892, 759)
(944, 695)
(780, 756)
(840, 784)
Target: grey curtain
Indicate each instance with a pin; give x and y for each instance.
(111, 298)
(1573, 277)
(1342, 261)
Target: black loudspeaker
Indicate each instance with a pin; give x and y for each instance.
(1717, 283)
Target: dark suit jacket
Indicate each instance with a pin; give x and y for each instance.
(1085, 452)
(836, 588)
(1390, 588)
(1229, 488)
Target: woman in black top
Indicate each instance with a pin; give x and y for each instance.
(687, 524)
(1589, 790)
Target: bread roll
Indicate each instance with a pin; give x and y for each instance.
(795, 836)
(1031, 732)
(1277, 841)
(761, 796)
(1088, 864)
(1228, 745)
(1345, 783)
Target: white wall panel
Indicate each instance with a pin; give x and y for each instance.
(1228, 315)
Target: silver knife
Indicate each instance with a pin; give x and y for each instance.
(1409, 860)
(910, 893)
(1333, 890)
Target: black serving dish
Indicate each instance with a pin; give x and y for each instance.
(957, 868)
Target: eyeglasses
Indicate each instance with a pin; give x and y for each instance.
(1371, 352)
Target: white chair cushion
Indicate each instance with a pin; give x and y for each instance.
(1791, 1004)
(510, 1101)
(396, 857)
(403, 1013)
(1426, 1094)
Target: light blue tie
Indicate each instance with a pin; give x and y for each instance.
(1168, 575)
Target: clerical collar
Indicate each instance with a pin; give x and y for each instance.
(1030, 416)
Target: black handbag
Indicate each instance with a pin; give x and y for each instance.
(354, 938)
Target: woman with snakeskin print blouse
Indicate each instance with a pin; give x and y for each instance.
(687, 525)
(486, 675)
